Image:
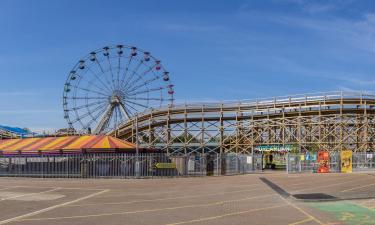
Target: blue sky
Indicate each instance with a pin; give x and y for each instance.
(214, 50)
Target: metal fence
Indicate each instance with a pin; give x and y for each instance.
(158, 165)
(125, 165)
(300, 163)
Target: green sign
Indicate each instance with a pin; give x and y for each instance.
(165, 165)
(277, 148)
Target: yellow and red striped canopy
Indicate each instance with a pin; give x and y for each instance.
(68, 144)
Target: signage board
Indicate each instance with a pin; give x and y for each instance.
(165, 165)
(273, 148)
(346, 161)
(323, 162)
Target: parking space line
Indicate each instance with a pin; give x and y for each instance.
(28, 194)
(350, 189)
(285, 195)
(225, 215)
(302, 211)
(7, 188)
(67, 188)
(370, 208)
(18, 218)
(148, 210)
(341, 178)
(168, 192)
(160, 199)
(330, 185)
(301, 221)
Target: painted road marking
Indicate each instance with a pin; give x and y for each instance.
(302, 211)
(228, 214)
(147, 210)
(41, 187)
(347, 212)
(169, 192)
(330, 185)
(28, 194)
(7, 188)
(284, 195)
(302, 221)
(159, 199)
(341, 178)
(350, 189)
(18, 218)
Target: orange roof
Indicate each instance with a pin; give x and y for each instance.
(68, 144)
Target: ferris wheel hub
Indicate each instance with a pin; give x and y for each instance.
(116, 97)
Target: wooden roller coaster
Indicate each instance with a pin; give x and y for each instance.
(332, 121)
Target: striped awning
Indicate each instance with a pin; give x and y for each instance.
(68, 144)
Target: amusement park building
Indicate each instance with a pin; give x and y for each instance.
(332, 121)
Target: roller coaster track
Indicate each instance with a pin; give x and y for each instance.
(331, 121)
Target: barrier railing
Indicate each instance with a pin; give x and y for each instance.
(302, 163)
(124, 165)
(158, 165)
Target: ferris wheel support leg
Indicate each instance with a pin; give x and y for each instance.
(105, 119)
(123, 110)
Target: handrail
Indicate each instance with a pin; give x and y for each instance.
(319, 96)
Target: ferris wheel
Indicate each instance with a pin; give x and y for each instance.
(110, 85)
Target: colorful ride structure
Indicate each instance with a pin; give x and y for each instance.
(14, 132)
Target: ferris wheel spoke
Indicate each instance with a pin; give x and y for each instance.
(94, 118)
(88, 105)
(146, 91)
(147, 99)
(100, 80)
(124, 111)
(118, 72)
(91, 83)
(102, 70)
(110, 69)
(133, 73)
(131, 88)
(80, 117)
(89, 113)
(140, 76)
(88, 90)
(92, 111)
(130, 106)
(126, 70)
(135, 103)
(86, 98)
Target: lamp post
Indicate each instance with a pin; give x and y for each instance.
(136, 147)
